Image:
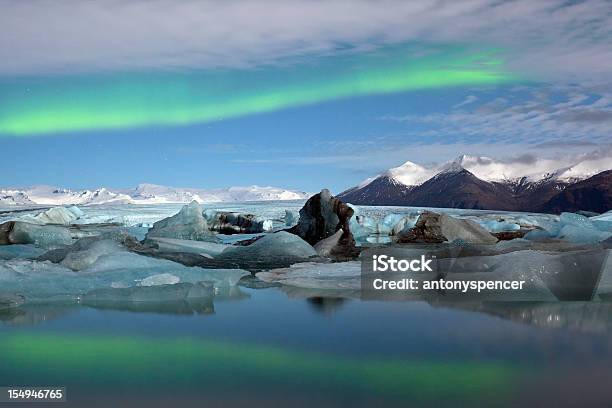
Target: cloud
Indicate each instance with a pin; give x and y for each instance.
(543, 116)
(551, 39)
(588, 115)
(468, 100)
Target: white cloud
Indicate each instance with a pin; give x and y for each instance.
(551, 38)
(573, 116)
(468, 100)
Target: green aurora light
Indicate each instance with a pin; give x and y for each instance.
(176, 362)
(44, 105)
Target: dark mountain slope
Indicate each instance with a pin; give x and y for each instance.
(592, 194)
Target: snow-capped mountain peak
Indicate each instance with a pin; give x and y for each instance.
(409, 173)
(454, 166)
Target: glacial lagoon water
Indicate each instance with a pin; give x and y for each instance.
(278, 346)
(263, 347)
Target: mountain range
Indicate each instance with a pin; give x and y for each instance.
(142, 194)
(473, 182)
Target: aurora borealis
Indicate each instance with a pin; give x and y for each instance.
(107, 101)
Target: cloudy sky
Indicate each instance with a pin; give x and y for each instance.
(298, 93)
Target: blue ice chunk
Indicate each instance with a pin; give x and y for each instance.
(23, 251)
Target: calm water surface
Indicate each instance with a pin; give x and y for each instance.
(262, 347)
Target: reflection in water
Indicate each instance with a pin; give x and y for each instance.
(591, 317)
(29, 315)
(32, 314)
(178, 307)
(163, 364)
(325, 305)
(588, 317)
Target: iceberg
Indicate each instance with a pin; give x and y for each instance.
(394, 224)
(55, 215)
(573, 228)
(160, 279)
(189, 223)
(184, 245)
(548, 276)
(498, 226)
(84, 252)
(45, 236)
(44, 280)
(362, 226)
(272, 249)
(291, 218)
(80, 259)
(312, 275)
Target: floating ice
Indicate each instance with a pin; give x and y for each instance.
(80, 259)
(291, 218)
(21, 251)
(394, 224)
(603, 217)
(46, 236)
(343, 275)
(160, 279)
(55, 215)
(547, 275)
(573, 228)
(282, 247)
(574, 233)
(189, 223)
(578, 228)
(184, 245)
(362, 226)
(498, 226)
(38, 280)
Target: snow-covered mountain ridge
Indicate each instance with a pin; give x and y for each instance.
(475, 182)
(492, 170)
(142, 194)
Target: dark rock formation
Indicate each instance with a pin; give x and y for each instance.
(509, 235)
(437, 228)
(5, 232)
(235, 223)
(322, 216)
(427, 229)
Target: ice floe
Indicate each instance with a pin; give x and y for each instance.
(189, 223)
